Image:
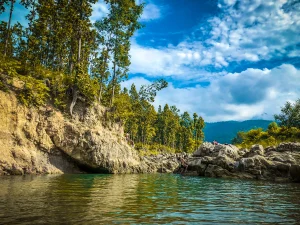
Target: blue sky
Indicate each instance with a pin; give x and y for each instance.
(224, 59)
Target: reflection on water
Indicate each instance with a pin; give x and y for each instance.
(145, 198)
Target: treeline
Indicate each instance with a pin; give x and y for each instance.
(165, 129)
(61, 58)
(287, 129)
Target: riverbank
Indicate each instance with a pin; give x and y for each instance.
(45, 141)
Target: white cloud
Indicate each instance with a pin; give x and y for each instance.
(254, 30)
(137, 81)
(170, 61)
(236, 96)
(151, 12)
(245, 31)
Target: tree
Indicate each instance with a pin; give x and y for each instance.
(148, 92)
(290, 115)
(8, 30)
(115, 32)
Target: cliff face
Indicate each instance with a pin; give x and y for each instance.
(42, 140)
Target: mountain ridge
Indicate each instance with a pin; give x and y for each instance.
(225, 131)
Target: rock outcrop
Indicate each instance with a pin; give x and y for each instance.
(43, 140)
(281, 163)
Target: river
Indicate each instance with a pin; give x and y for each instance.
(145, 199)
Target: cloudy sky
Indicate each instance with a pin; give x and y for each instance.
(224, 59)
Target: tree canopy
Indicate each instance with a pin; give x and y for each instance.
(62, 58)
(290, 115)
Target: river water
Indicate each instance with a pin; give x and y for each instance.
(145, 199)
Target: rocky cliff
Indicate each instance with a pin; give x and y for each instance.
(281, 163)
(43, 140)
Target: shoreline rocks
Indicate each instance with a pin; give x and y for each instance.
(281, 163)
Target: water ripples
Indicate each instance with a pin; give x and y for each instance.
(145, 199)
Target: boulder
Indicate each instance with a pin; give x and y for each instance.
(224, 162)
(206, 149)
(230, 151)
(216, 171)
(256, 150)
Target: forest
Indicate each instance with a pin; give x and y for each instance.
(62, 58)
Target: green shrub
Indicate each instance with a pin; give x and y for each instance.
(8, 70)
(34, 92)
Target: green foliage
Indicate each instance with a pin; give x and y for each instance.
(272, 136)
(290, 115)
(34, 92)
(61, 58)
(8, 70)
(114, 33)
(289, 129)
(164, 127)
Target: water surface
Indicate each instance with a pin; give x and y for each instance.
(145, 199)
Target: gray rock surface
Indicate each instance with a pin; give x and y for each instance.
(281, 163)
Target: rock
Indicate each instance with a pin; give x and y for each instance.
(166, 163)
(224, 162)
(291, 146)
(269, 149)
(16, 170)
(206, 149)
(41, 142)
(242, 152)
(256, 150)
(230, 151)
(295, 173)
(216, 171)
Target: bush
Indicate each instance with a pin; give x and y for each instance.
(273, 136)
(34, 92)
(8, 70)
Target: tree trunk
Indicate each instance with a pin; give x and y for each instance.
(79, 49)
(113, 86)
(75, 88)
(100, 92)
(8, 26)
(74, 100)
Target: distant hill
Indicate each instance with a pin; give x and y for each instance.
(224, 132)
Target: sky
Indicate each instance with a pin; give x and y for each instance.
(223, 59)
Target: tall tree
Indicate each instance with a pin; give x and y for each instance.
(8, 30)
(116, 29)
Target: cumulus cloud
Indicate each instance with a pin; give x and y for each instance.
(254, 30)
(245, 31)
(236, 96)
(151, 12)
